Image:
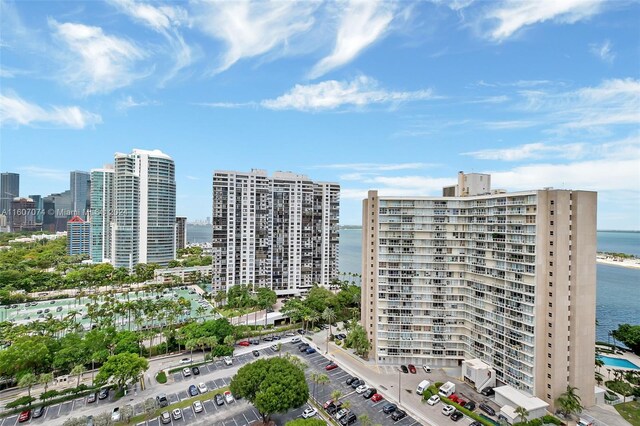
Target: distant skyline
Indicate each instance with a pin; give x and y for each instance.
(397, 96)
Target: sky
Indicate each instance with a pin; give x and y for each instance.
(393, 95)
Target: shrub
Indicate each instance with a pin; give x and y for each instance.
(438, 384)
(23, 400)
(623, 388)
(468, 413)
(551, 419)
(161, 377)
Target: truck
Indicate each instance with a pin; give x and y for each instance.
(447, 389)
(422, 386)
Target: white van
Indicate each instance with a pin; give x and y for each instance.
(447, 389)
(422, 386)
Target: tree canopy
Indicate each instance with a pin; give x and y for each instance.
(121, 369)
(629, 335)
(272, 385)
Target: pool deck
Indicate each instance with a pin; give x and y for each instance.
(626, 355)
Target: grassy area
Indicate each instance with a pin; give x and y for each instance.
(630, 411)
(185, 403)
(161, 377)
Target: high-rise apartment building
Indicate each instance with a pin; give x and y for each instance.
(9, 189)
(181, 232)
(39, 206)
(507, 278)
(23, 215)
(102, 199)
(144, 209)
(80, 187)
(78, 236)
(279, 232)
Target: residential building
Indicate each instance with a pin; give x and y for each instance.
(279, 232)
(102, 200)
(144, 214)
(23, 215)
(39, 205)
(181, 232)
(508, 278)
(78, 237)
(9, 189)
(80, 183)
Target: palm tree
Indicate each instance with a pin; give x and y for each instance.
(44, 379)
(520, 411)
(329, 315)
(365, 420)
(336, 394)
(569, 402)
(77, 371)
(27, 381)
(322, 379)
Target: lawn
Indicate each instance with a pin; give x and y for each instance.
(630, 411)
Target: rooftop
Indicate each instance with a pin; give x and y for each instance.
(520, 399)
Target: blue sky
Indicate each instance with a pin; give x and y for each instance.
(396, 96)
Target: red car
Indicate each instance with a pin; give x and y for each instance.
(412, 368)
(244, 343)
(376, 397)
(24, 416)
(454, 398)
(331, 366)
(327, 404)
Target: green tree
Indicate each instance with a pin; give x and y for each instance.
(629, 335)
(568, 402)
(357, 339)
(27, 354)
(44, 379)
(306, 422)
(336, 395)
(122, 368)
(365, 420)
(27, 380)
(522, 413)
(273, 385)
(78, 370)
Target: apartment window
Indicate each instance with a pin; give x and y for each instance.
(550, 294)
(549, 345)
(551, 212)
(551, 233)
(550, 324)
(550, 243)
(548, 386)
(552, 202)
(550, 284)
(550, 263)
(550, 273)
(550, 315)
(550, 253)
(549, 336)
(548, 365)
(550, 305)
(551, 223)
(548, 376)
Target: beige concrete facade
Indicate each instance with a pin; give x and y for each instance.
(508, 278)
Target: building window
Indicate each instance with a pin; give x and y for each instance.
(548, 365)
(548, 386)
(550, 253)
(550, 263)
(550, 294)
(550, 273)
(550, 324)
(550, 315)
(550, 284)
(551, 212)
(551, 223)
(551, 233)
(550, 305)
(552, 202)
(548, 376)
(549, 334)
(549, 345)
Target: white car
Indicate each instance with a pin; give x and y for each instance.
(309, 412)
(295, 340)
(433, 400)
(228, 396)
(177, 414)
(274, 348)
(202, 388)
(185, 360)
(362, 388)
(115, 414)
(197, 407)
(448, 409)
(186, 372)
(228, 360)
(341, 413)
(291, 333)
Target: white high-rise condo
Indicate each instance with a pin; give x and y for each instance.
(506, 278)
(279, 232)
(141, 224)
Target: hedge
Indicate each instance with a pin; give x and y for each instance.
(466, 412)
(161, 377)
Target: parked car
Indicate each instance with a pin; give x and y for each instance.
(334, 407)
(295, 340)
(350, 380)
(342, 336)
(426, 368)
(177, 414)
(369, 393)
(487, 409)
(267, 339)
(389, 408)
(38, 412)
(310, 351)
(276, 337)
(195, 370)
(165, 418)
(304, 347)
(331, 366)
(448, 409)
(301, 331)
(356, 383)
(341, 413)
(244, 343)
(398, 415)
(256, 353)
(309, 412)
(228, 396)
(476, 423)
(275, 348)
(186, 372)
(92, 398)
(228, 360)
(362, 388)
(115, 414)
(433, 400)
(412, 368)
(193, 390)
(404, 369)
(103, 394)
(470, 405)
(290, 333)
(487, 391)
(254, 341)
(327, 404)
(197, 407)
(219, 399)
(162, 400)
(185, 360)
(25, 416)
(202, 388)
(456, 415)
(376, 397)
(349, 419)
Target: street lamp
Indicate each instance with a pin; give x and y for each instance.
(400, 386)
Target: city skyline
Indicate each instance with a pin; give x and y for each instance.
(393, 96)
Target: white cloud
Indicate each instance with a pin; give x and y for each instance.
(374, 167)
(96, 62)
(130, 102)
(45, 173)
(333, 94)
(512, 124)
(530, 151)
(15, 110)
(362, 23)
(253, 28)
(603, 51)
(164, 20)
(192, 177)
(513, 15)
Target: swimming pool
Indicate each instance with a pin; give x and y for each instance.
(618, 362)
